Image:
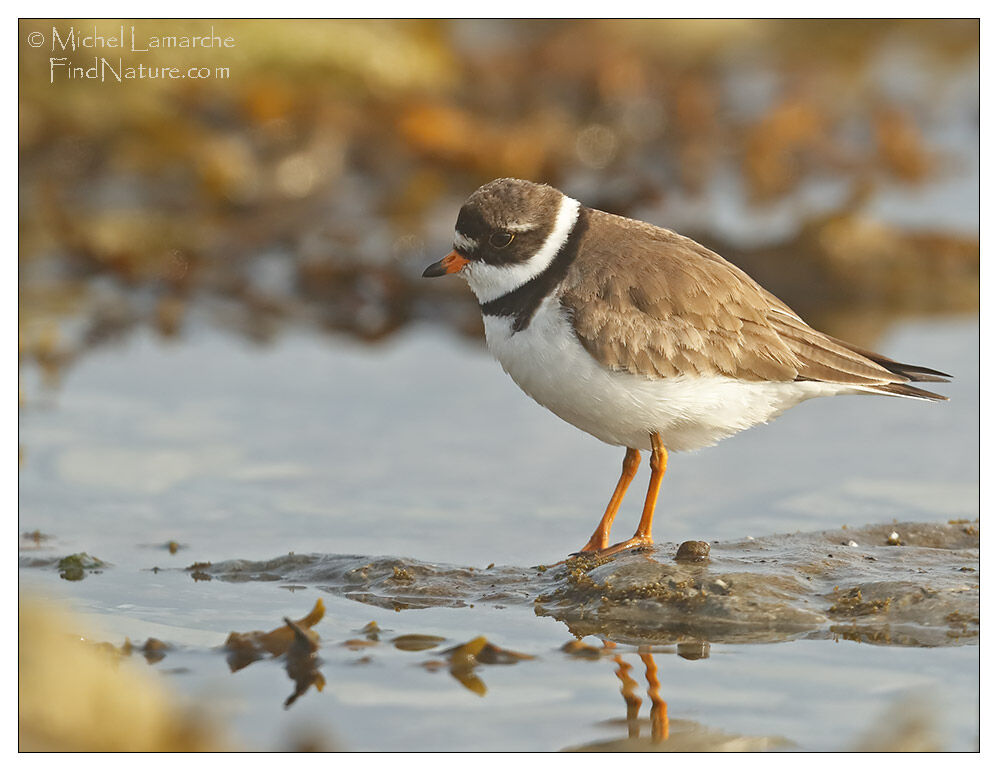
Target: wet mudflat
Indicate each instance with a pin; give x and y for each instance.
(906, 584)
(447, 622)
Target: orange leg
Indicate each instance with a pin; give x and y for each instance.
(658, 716)
(643, 536)
(659, 458)
(597, 542)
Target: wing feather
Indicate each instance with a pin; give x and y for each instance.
(669, 306)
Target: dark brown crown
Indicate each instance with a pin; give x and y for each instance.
(507, 207)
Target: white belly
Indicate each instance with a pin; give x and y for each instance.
(549, 363)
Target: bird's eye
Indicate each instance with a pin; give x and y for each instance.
(500, 239)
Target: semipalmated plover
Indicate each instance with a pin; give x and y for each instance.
(640, 336)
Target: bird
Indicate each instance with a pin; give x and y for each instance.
(642, 337)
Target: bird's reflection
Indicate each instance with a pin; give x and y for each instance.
(663, 735)
(658, 715)
(631, 700)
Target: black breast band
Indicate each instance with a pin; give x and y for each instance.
(523, 302)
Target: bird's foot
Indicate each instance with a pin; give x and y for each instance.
(635, 542)
(596, 543)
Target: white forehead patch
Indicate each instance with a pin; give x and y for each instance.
(464, 244)
(489, 282)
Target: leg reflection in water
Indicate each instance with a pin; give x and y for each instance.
(678, 735)
(657, 715)
(632, 701)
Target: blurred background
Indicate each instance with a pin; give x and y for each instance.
(308, 184)
(237, 395)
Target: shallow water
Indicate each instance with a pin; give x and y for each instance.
(423, 451)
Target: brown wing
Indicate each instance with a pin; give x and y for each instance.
(669, 306)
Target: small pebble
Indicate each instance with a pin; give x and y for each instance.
(693, 550)
(694, 649)
(583, 650)
(718, 587)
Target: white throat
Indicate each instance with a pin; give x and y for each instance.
(489, 282)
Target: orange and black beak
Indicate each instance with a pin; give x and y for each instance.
(450, 264)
